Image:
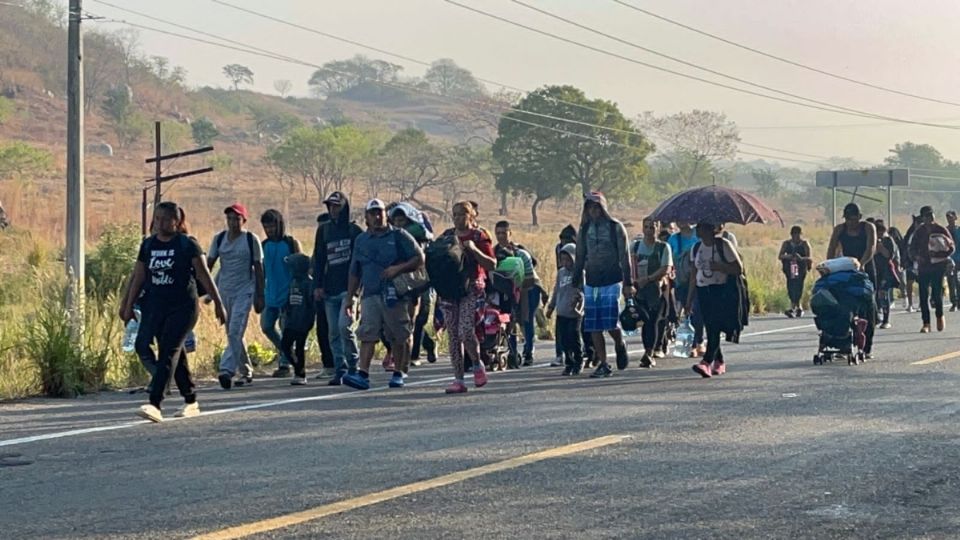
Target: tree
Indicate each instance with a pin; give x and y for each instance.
(271, 120)
(768, 182)
(323, 158)
(692, 143)
(127, 124)
(18, 159)
(282, 87)
(178, 76)
(204, 131)
(917, 156)
(411, 165)
(339, 76)
(161, 66)
(446, 78)
(238, 74)
(547, 162)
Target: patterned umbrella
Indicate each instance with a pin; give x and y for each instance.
(716, 204)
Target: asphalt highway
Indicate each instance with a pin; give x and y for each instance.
(775, 448)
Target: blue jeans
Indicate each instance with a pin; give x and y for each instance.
(268, 323)
(343, 339)
(529, 324)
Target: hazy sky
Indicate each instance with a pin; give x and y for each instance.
(909, 46)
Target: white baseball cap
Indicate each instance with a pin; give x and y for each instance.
(375, 204)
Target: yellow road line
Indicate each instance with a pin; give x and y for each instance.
(318, 512)
(935, 359)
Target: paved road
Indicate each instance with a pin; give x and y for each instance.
(775, 448)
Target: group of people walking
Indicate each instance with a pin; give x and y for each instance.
(926, 255)
(367, 285)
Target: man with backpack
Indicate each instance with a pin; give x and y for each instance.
(931, 247)
(276, 247)
(332, 251)
(241, 284)
(603, 272)
(380, 254)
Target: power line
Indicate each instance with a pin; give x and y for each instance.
(688, 76)
(782, 59)
(685, 62)
(744, 153)
(775, 149)
(243, 47)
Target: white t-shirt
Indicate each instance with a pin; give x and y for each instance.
(236, 275)
(705, 255)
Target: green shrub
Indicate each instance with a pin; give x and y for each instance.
(111, 263)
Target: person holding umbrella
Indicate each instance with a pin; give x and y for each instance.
(858, 239)
(716, 268)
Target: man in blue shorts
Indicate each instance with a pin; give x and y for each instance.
(603, 271)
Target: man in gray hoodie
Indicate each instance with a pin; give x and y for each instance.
(602, 269)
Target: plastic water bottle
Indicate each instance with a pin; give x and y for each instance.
(190, 344)
(130, 333)
(684, 342)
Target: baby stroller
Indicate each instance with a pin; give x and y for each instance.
(839, 302)
(492, 333)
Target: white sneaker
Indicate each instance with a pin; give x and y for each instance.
(659, 354)
(150, 413)
(299, 381)
(885, 325)
(189, 410)
(557, 362)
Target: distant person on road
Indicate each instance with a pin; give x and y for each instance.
(887, 262)
(460, 315)
(380, 254)
(299, 312)
(858, 239)
(240, 281)
(952, 281)
(567, 300)
(715, 263)
(333, 248)
(931, 247)
(276, 247)
(602, 269)
(796, 261)
(909, 264)
(168, 267)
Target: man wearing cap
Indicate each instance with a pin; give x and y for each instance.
(380, 254)
(240, 281)
(332, 251)
(602, 269)
(931, 246)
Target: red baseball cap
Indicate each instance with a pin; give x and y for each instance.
(237, 209)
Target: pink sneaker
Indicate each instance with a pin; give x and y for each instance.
(719, 368)
(388, 363)
(479, 375)
(703, 369)
(456, 387)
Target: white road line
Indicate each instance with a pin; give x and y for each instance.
(253, 406)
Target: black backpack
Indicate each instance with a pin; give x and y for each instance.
(445, 267)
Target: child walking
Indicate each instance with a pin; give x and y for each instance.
(299, 315)
(567, 300)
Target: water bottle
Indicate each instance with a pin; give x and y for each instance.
(130, 333)
(684, 342)
(794, 269)
(190, 344)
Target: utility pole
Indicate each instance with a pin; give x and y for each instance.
(76, 215)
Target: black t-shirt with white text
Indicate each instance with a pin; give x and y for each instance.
(169, 265)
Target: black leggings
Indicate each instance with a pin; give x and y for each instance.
(568, 335)
(714, 313)
(169, 326)
(795, 288)
(292, 338)
(931, 281)
(652, 329)
(420, 335)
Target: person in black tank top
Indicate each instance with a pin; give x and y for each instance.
(858, 239)
(795, 258)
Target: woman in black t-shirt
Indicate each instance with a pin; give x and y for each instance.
(165, 270)
(796, 261)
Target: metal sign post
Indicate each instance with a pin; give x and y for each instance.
(878, 178)
(158, 178)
